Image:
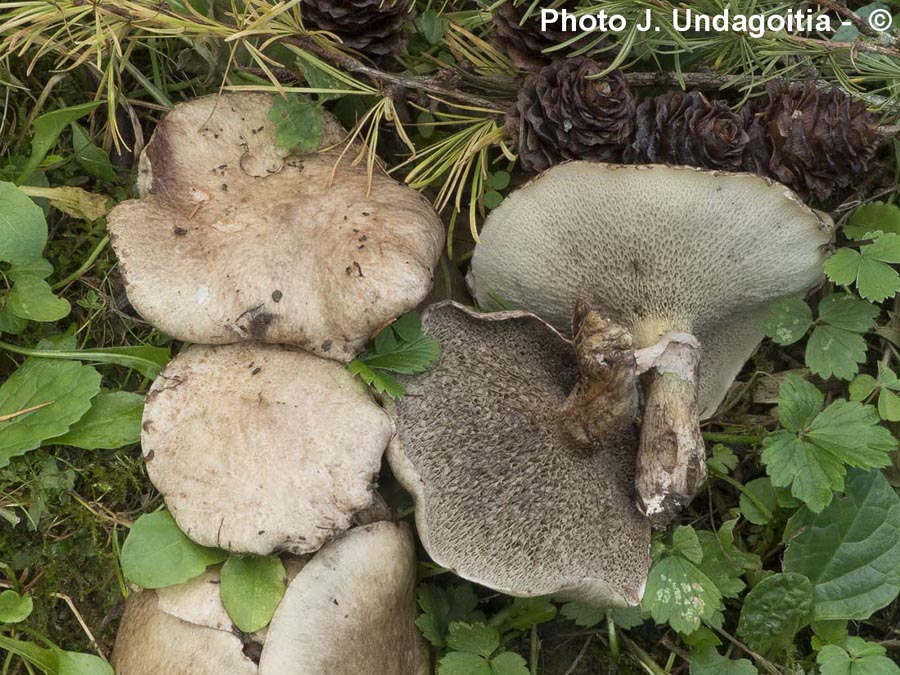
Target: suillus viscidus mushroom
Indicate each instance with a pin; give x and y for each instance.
(235, 239)
(518, 447)
(688, 261)
(352, 610)
(352, 604)
(262, 448)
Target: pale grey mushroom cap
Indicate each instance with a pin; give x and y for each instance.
(654, 248)
(351, 610)
(152, 640)
(261, 448)
(504, 495)
(234, 241)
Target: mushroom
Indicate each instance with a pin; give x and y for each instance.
(518, 447)
(688, 261)
(351, 610)
(262, 448)
(237, 240)
(181, 630)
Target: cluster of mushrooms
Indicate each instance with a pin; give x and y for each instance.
(539, 449)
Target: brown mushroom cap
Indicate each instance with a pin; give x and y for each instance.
(260, 448)
(508, 494)
(152, 640)
(655, 249)
(351, 610)
(236, 240)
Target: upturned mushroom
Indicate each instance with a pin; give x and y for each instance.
(351, 610)
(688, 261)
(181, 630)
(518, 447)
(262, 448)
(235, 239)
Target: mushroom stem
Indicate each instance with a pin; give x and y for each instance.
(606, 395)
(671, 461)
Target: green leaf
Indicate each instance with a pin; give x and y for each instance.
(54, 661)
(499, 180)
(875, 279)
(850, 551)
(113, 421)
(157, 554)
(723, 562)
(811, 458)
(862, 387)
(723, 460)
(848, 312)
(63, 389)
(407, 358)
(32, 298)
(509, 663)
(473, 638)
(251, 589)
(872, 218)
(15, 608)
(23, 228)
(441, 606)
(758, 501)
(833, 660)
(47, 129)
(380, 381)
(774, 610)
(708, 661)
(686, 544)
(432, 26)
(679, 594)
(789, 320)
(90, 157)
(461, 663)
(10, 323)
(583, 615)
(832, 351)
(298, 123)
(524, 613)
(492, 199)
(799, 402)
(148, 361)
(39, 267)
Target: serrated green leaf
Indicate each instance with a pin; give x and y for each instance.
(850, 431)
(317, 78)
(871, 218)
(850, 551)
(461, 663)
(157, 553)
(90, 157)
(298, 123)
(64, 391)
(812, 475)
(723, 460)
(679, 594)
(708, 661)
(833, 660)
(23, 228)
(583, 615)
(862, 387)
(774, 610)
(509, 663)
(843, 266)
(407, 358)
(47, 129)
(380, 381)
(833, 351)
(788, 321)
(723, 562)
(686, 544)
(848, 312)
(113, 421)
(441, 606)
(473, 638)
(251, 588)
(758, 501)
(889, 406)
(15, 608)
(799, 402)
(32, 298)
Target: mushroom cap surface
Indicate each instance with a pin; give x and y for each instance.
(236, 240)
(351, 610)
(260, 448)
(654, 248)
(505, 497)
(151, 640)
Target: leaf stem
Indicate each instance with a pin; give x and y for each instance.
(85, 266)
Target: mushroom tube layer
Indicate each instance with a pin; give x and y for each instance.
(516, 488)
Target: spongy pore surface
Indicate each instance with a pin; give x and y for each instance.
(654, 248)
(504, 496)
